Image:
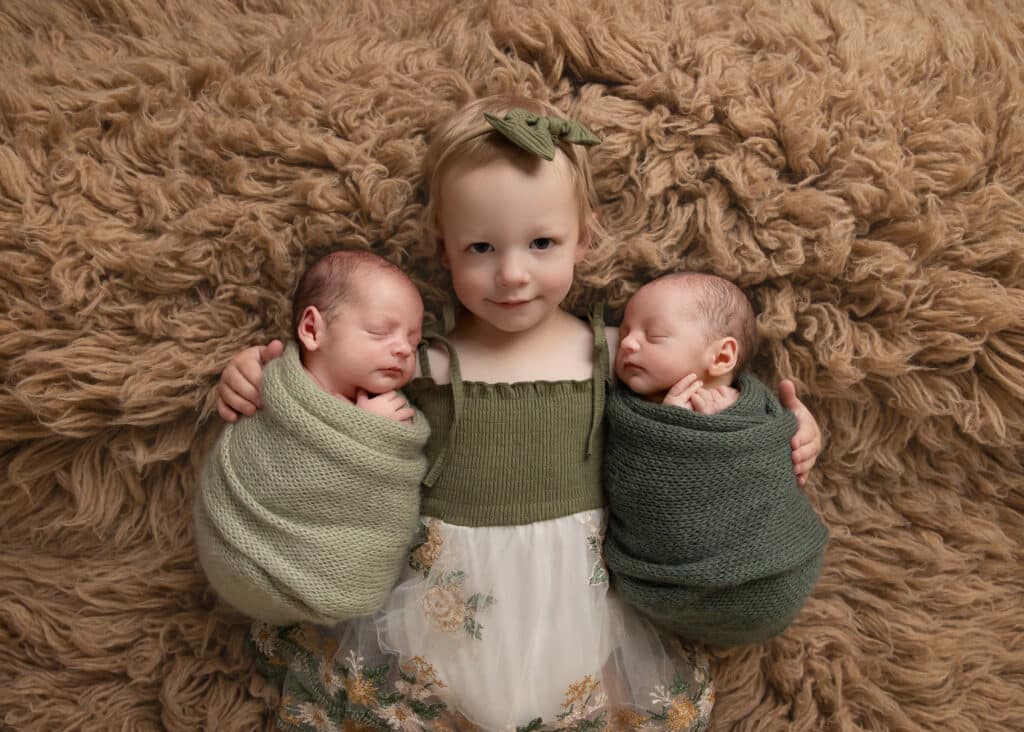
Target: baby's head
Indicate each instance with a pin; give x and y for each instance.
(358, 320)
(681, 324)
(508, 224)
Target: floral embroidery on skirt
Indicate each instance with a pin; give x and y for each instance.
(494, 628)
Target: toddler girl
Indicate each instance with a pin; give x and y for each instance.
(503, 617)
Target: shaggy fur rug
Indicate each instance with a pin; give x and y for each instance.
(167, 168)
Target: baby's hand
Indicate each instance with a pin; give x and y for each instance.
(714, 400)
(390, 404)
(681, 393)
(238, 392)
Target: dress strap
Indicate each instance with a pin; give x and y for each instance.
(421, 352)
(598, 382)
(458, 399)
(447, 325)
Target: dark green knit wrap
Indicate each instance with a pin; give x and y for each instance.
(708, 532)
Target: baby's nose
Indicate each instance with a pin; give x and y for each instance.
(402, 348)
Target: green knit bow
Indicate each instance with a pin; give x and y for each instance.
(538, 134)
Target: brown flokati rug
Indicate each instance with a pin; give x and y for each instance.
(166, 168)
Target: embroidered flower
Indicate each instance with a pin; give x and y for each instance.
(329, 676)
(681, 713)
(265, 637)
(316, 717)
(598, 571)
(423, 671)
(448, 609)
(579, 691)
(360, 690)
(411, 691)
(445, 607)
(423, 556)
(628, 720)
(400, 716)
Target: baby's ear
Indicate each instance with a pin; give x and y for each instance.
(311, 328)
(725, 355)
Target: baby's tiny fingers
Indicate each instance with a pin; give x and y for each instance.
(683, 384)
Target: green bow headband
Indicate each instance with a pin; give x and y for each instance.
(537, 134)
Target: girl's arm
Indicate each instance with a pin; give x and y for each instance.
(238, 392)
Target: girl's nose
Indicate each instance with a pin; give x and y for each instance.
(511, 272)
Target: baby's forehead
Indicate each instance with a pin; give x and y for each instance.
(658, 296)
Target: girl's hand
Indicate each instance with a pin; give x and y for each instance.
(682, 392)
(238, 392)
(714, 400)
(806, 442)
(390, 404)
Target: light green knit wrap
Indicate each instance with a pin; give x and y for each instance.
(708, 532)
(306, 509)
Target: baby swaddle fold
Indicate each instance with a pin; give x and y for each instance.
(306, 510)
(708, 532)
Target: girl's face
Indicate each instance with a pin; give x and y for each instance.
(511, 239)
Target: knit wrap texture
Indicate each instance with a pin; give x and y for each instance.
(306, 510)
(708, 532)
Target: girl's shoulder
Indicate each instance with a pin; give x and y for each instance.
(576, 338)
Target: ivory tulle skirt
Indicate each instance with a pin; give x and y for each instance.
(496, 628)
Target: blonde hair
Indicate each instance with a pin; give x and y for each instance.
(466, 139)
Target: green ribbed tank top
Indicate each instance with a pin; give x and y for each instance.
(509, 454)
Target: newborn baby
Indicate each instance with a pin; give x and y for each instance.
(707, 519)
(330, 467)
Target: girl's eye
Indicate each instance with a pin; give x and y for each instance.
(542, 242)
(480, 247)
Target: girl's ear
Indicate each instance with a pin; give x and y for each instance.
(725, 353)
(311, 329)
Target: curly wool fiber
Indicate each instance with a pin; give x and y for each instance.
(168, 168)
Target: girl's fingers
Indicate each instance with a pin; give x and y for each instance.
(225, 413)
(233, 401)
(270, 351)
(236, 384)
(248, 381)
(804, 453)
(803, 468)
